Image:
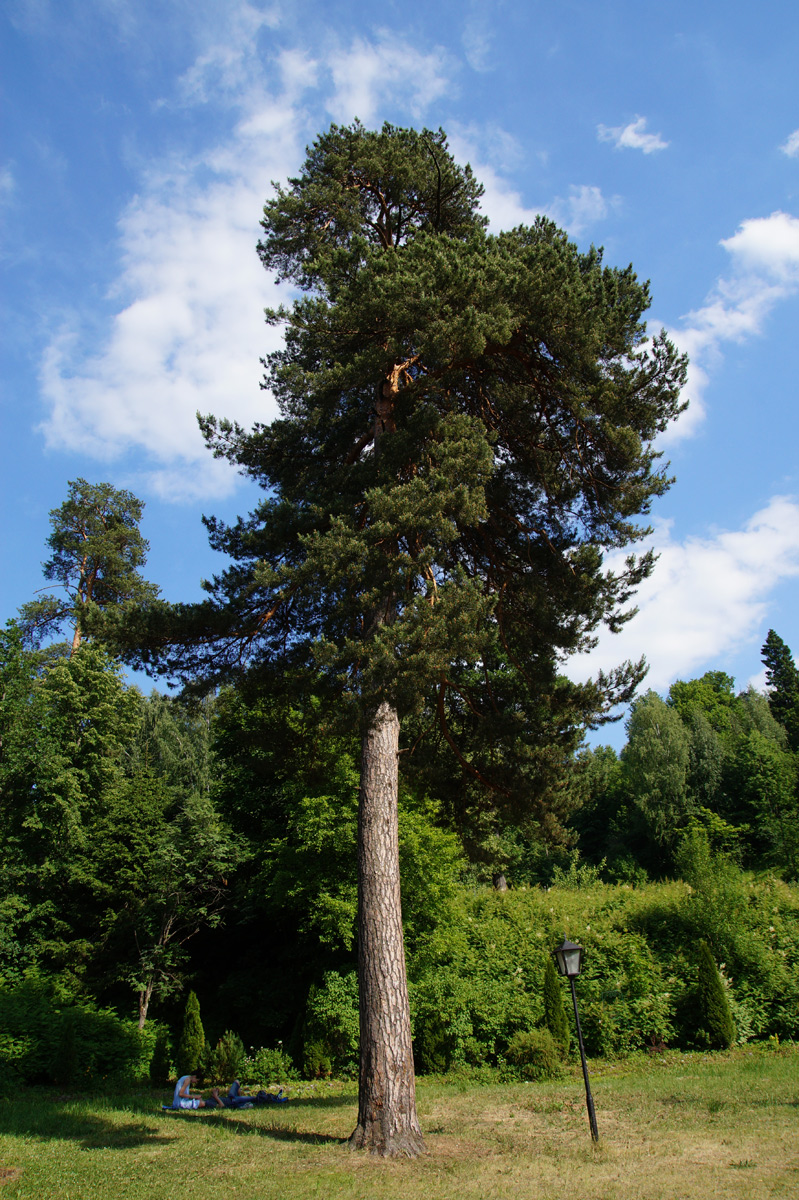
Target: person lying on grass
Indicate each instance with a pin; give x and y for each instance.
(235, 1098)
(183, 1098)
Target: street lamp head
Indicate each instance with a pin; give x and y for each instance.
(569, 958)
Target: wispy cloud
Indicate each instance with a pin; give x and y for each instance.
(706, 597)
(764, 254)
(490, 151)
(478, 36)
(631, 137)
(8, 183)
(791, 146)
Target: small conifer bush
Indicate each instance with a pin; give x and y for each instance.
(533, 1054)
(555, 1019)
(316, 1062)
(226, 1060)
(716, 1027)
(191, 1047)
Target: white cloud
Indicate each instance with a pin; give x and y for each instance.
(764, 254)
(368, 74)
(768, 246)
(187, 329)
(631, 137)
(705, 597)
(791, 146)
(583, 206)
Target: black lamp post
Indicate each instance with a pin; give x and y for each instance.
(568, 958)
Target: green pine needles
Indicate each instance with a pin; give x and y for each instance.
(716, 1027)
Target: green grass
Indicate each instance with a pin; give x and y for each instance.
(689, 1126)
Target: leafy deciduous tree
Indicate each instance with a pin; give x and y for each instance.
(655, 761)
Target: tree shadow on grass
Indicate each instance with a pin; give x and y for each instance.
(310, 1101)
(288, 1133)
(92, 1131)
(81, 1120)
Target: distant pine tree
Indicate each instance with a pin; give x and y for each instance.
(716, 1026)
(782, 679)
(191, 1046)
(555, 1019)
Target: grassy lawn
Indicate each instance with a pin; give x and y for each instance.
(689, 1126)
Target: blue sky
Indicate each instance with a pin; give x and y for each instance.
(140, 141)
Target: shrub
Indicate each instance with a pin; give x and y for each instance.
(265, 1066)
(65, 1067)
(48, 1036)
(715, 1026)
(226, 1060)
(578, 876)
(191, 1047)
(331, 1035)
(316, 1063)
(554, 1013)
(534, 1055)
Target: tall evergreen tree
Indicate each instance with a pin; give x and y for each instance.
(782, 680)
(555, 1019)
(97, 551)
(467, 423)
(715, 1023)
(191, 1046)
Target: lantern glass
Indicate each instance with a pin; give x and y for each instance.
(569, 958)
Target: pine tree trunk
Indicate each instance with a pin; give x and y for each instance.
(387, 1121)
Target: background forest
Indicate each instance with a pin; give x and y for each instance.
(155, 848)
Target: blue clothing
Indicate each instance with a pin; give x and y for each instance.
(179, 1101)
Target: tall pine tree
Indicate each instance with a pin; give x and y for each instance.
(97, 551)
(467, 425)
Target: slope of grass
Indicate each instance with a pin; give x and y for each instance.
(690, 1126)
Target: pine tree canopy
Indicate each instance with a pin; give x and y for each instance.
(97, 551)
(467, 425)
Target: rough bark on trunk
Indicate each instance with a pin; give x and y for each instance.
(387, 1121)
